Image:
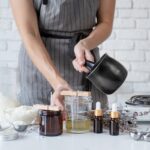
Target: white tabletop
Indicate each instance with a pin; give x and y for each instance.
(86, 141)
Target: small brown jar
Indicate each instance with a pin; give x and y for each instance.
(51, 123)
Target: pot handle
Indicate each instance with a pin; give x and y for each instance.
(89, 64)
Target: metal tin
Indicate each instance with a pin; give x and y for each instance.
(147, 137)
(8, 135)
(136, 135)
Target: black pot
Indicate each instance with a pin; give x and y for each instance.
(107, 74)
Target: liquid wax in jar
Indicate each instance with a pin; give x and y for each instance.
(78, 125)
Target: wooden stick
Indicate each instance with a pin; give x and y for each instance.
(46, 107)
(76, 93)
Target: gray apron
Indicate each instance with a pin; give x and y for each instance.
(60, 21)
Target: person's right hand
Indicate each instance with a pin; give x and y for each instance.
(82, 53)
(57, 98)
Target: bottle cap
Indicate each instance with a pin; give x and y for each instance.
(114, 107)
(98, 110)
(98, 105)
(114, 112)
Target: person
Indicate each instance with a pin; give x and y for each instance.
(58, 37)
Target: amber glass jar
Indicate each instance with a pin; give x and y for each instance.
(51, 123)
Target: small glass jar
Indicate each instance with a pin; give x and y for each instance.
(51, 123)
(78, 106)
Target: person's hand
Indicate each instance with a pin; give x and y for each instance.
(57, 98)
(82, 53)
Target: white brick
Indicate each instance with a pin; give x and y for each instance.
(123, 4)
(132, 13)
(141, 3)
(118, 45)
(122, 98)
(4, 3)
(142, 66)
(3, 64)
(7, 76)
(132, 34)
(112, 98)
(130, 55)
(6, 13)
(124, 23)
(126, 88)
(126, 64)
(5, 24)
(9, 56)
(13, 65)
(9, 35)
(2, 45)
(142, 87)
(138, 76)
(14, 27)
(142, 45)
(109, 52)
(9, 90)
(143, 23)
(13, 45)
(147, 56)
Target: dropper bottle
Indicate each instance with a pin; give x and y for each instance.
(114, 121)
(98, 119)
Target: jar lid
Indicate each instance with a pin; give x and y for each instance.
(76, 93)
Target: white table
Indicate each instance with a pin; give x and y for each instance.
(88, 141)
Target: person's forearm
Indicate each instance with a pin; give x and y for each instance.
(105, 17)
(27, 23)
(97, 36)
(41, 59)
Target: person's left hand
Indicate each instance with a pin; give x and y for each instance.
(82, 53)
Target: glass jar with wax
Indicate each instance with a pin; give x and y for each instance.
(78, 105)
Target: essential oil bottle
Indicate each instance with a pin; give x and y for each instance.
(98, 119)
(114, 121)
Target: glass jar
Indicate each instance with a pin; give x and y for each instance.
(78, 105)
(51, 123)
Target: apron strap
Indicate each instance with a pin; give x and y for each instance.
(46, 34)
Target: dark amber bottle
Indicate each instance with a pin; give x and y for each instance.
(114, 121)
(98, 119)
(114, 126)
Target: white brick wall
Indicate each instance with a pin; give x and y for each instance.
(129, 43)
